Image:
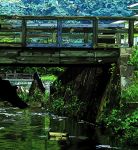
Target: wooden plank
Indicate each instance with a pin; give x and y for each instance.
(10, 30)
(131, 33)
(76, 53)
(71, 25)
(105, 54)
(116, 18)
(67, 30)
(12, 44)
(106, 36)
(59, 33)
(33, 35)
(118, 38)
(55, 59)
(66, 17)
(10, 35)
(86, 37)
(95, 33)
(78, 29)
(24, 32)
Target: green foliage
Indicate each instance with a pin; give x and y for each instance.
(124, 125)
(46, 96)
(134, 58)
(9, 40)
(50, 72)
(123, 121)
(64, 101)
(48, 78)
(30, 70)
(58, 104)
(131, 129)
(55, 70)
(37, 96)
(113, 67)
(113, 120)
(23, 95)
(74, 107)
(58, 87)
(130, 93)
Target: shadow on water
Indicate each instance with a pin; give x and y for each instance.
(40, 130)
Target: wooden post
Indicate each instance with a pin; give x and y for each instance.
(24, 32)
(54, 37)
(118, 38)
(59, 33)
(86, 36)
(95, 32)
(131, 33)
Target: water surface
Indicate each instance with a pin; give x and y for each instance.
(36, 129)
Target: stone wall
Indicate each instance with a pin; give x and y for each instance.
(125, 69)
(112, 94)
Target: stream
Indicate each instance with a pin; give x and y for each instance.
(36, 129)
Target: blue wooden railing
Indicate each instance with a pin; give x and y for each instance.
(51, 31)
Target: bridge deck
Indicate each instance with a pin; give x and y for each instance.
(55, 55)
(63, 40)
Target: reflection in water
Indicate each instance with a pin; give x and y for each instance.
(39, 130)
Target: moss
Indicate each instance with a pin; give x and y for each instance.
(48, 78)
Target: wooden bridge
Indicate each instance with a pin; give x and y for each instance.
(42, 40)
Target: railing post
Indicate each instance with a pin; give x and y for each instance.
(24, 32)
(118, 38)
(95, 32)
(86, 36)
(59, 33)
(131, 33)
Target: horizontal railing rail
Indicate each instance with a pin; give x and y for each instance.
(68, 17)
(16, 75)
